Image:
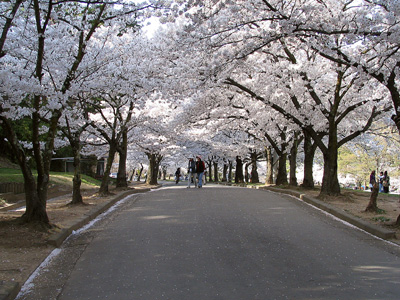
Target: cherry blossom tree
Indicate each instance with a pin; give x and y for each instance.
(253, 33)
(155, 136)
(42, 58)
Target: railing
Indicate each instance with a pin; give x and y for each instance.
(12, 187)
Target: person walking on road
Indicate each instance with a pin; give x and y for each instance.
(192, 172)
(200, 170)
(177, 175)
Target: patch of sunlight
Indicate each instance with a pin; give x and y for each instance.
(157, 217)
(375, 269)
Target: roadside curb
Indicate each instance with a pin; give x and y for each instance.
(370, 228)
(9, 289)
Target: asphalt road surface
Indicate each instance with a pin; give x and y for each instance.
(219, 243)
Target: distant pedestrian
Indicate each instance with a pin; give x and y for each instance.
(372, 179)
(386, 182)
(381, 182)
(200, 167)
(177, 175)
(192, 172)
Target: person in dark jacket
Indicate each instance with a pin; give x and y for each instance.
(372, 179)
(200, 166)
(177, 175)
(192, 172)
(386, 182)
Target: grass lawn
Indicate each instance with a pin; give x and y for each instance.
(14, 175)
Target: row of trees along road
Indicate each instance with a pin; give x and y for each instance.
(223, 79)
(57, 61)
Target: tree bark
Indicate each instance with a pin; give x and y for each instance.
(104, 189)
(239, 170)
(121, 175)
(224, 173)
(77, 181)
(215, 165)
(293, 163)
(269, 178)
(35, 206)
(246, 172)
(140, 172)
(154, 164)
(132, 175)
(281, 177)
(123, 154)
(309, 153)
(230, 171)
(330, 182)
(372, 205)
(254, 171)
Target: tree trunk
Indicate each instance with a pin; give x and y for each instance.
(35, 205)
(106, 177)
(154, 163)
(239, 170)
(269, 179)
(309, 153)
(140, 172)
(77, 181)
(230, 171)
(225, 173)
(215, 165)
(246, 172)
(254, 171)
(392, 86)
(121, 175)
(293, 163)
(132, 175)
(372, 205)
(123, 153)
(330, 182)
(281, 177)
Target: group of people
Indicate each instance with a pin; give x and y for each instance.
(195, 172)
(383, 180)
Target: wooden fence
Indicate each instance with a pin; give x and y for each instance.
(12, 187)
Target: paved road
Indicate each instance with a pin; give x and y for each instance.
(220, 243)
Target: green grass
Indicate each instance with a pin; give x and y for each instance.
(256, 184)
(13, 175)
(381, 219)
